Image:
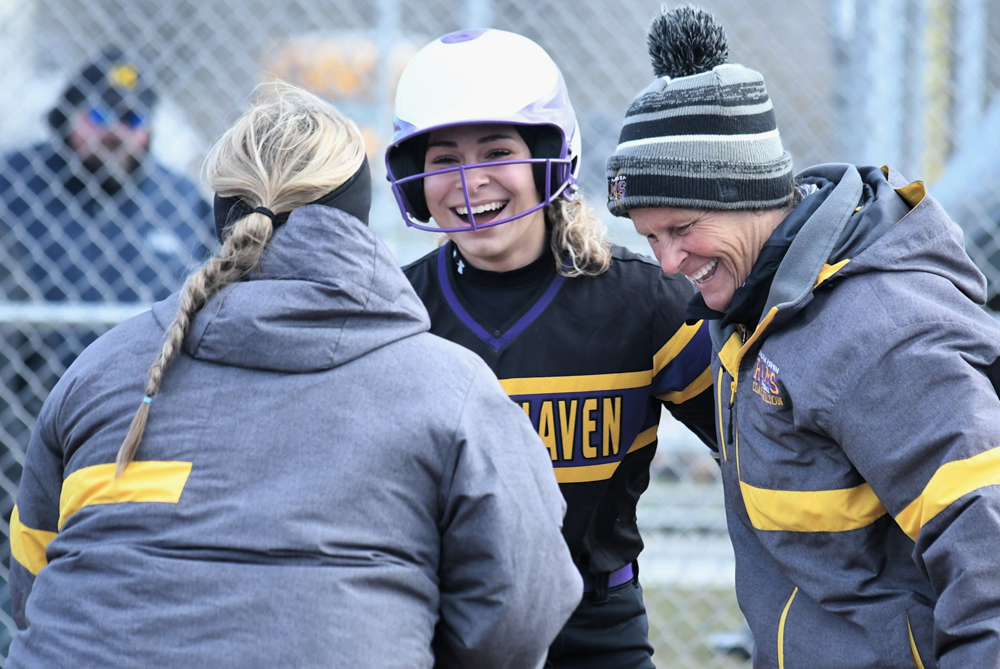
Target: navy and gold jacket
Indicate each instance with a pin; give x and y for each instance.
(591, 360)
(860, 439)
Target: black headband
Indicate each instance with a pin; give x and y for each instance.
(353, 197)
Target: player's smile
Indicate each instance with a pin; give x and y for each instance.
(494, 191)
(484, 213)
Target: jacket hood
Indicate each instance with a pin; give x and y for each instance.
(936, 246)
(860, 222)
(327, 292)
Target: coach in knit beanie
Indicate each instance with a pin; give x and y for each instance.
(856, 374)
(702, 135)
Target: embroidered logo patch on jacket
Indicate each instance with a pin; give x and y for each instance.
(765, 381)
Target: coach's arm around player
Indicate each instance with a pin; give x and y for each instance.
(280, 465)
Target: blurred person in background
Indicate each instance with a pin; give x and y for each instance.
(276, 500)
(856, 371)
(90, 216)
(486, 143)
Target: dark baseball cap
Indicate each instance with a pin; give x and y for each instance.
(112, 81)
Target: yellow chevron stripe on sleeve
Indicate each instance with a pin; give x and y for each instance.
(674, 346)
(142, 482)
(812, 510)
(952, 481)
(697, 387)
(27, 545)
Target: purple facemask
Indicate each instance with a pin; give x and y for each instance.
(566, 188)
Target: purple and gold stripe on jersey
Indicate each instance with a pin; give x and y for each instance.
(677, 378)
(590, 423)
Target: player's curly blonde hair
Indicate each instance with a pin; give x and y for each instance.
(289, 149)
(578, 238)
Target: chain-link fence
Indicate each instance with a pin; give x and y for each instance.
(911, 83)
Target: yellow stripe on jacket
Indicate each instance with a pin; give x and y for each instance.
(812, 510)
(952, 481)
(142, 482)
(27, 544)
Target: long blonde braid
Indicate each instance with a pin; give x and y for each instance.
(287, 150)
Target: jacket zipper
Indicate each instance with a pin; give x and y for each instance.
(732, 388)
(718, 405)
(732, 409)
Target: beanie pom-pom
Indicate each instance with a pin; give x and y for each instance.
(686, 41)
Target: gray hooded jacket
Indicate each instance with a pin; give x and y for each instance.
(860, 439)
(322, 483)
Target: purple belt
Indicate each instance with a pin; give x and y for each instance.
(615, 578)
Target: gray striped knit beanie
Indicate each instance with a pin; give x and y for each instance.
(703, 135)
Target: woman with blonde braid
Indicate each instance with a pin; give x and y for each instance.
(275, 499)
